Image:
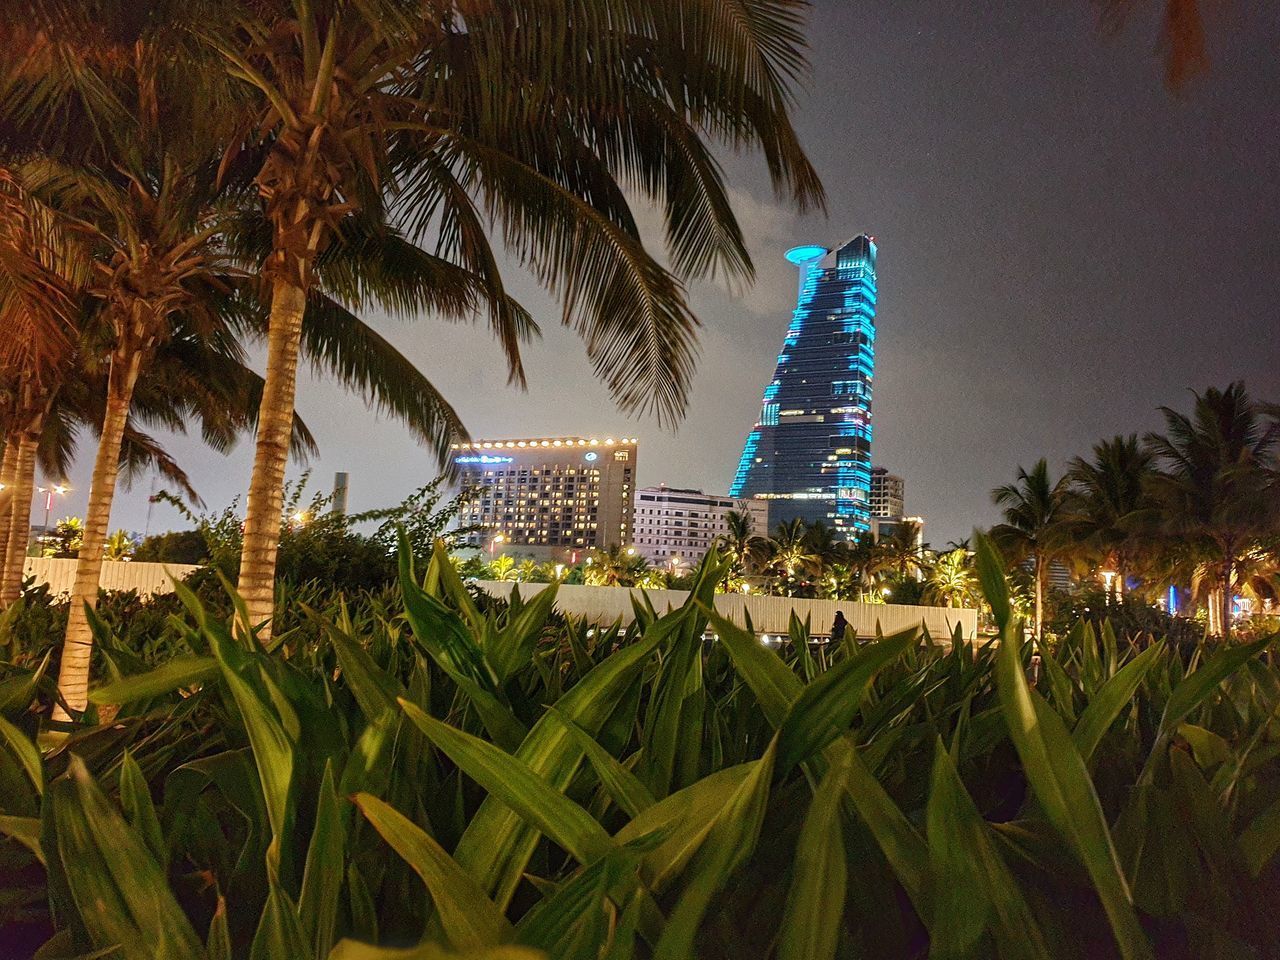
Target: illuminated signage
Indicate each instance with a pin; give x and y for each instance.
(591, 457)
(483, 459)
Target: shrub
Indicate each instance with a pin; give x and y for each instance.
(409, 768)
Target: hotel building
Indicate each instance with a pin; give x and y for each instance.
(809, 453)
(547, 497)
(678, 526)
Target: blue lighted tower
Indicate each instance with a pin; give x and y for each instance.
(809, 454)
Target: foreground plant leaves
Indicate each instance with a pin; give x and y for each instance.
(468, 917)
(1060, 779)
(120, 893)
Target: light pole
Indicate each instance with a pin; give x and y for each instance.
(1108, 578)
(498, 538)
(58, 488)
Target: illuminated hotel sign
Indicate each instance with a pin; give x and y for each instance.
(483, 459)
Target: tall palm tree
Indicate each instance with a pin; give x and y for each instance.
(1217, 487)
(446, 116)
(41, 273)
(789, 555)
(740, 542)
(1032, 527)
(825, 548)
(900, 552)
(1105, 499)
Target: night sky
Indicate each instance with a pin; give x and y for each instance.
(1064, 246)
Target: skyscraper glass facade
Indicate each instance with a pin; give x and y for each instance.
(809, 453)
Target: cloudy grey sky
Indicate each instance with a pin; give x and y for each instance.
(1064, 246)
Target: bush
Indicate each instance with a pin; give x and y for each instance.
(393, 772)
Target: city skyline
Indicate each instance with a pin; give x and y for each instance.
(1072, 246)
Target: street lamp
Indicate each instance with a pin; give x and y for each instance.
(1108, 578)
(61, 489)
(498, 538)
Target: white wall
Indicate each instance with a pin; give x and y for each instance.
(146, 578)
(768, 614)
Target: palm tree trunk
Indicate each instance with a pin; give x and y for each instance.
(1228, 568)
(1039, 598)
(24, 481)
(6, 496)
(77, 646)
(275, 427)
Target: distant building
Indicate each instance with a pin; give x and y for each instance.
(888, 494)
(809, 453)
(551, 498)
(675, 524)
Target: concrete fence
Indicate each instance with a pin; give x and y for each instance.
(604, 605)
(146, 578)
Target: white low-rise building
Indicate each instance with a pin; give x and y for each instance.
(676, 527)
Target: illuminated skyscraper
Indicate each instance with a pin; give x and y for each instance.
(809, 454)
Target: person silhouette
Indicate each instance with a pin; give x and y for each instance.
(838, 626)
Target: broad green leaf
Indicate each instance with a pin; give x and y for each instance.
(1060, 686)
(139, 810)
(683, 821)
(573, 922)
(121, 894)
(775, 687)
(280, 935)
(322, 875)
(497, 843)
(1261, 838)
(26, 830)
(1112, 697)
(815, 903)
(1061, 783)
(1199, 684)
(898, 839)
(17, 692)
(510, 649)
(467, 916)
(218, 943)
(729, 844)
(272, 751)
(826, 707)
(622, 785)
(672, 728)
(1210, 749)
(995, 588)
(175, 674)
(973, 887)
(511, 781)
(26, 753)
(375, 690)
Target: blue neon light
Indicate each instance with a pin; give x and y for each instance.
(591, 457)
(483, 458)
(806, 253)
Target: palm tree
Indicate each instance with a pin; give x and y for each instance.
(467, 115)
(951, 581)
(900, 552)
(1032, 527)
(1105, 498)
(41, 273)
(789, 555)
(1216, 489)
